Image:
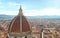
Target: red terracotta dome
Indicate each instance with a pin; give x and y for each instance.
(19, 26)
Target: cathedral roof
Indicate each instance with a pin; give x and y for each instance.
(19, 25)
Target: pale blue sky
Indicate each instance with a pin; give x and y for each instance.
(30, 7)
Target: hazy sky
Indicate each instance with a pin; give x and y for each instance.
(30, 7)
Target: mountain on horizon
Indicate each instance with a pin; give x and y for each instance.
(44, 17)
(3, 16)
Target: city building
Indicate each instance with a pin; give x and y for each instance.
(48, 33)
(35, 32)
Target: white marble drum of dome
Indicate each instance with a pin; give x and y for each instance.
(19, 26)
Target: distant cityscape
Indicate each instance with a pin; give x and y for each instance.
(37, 25)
